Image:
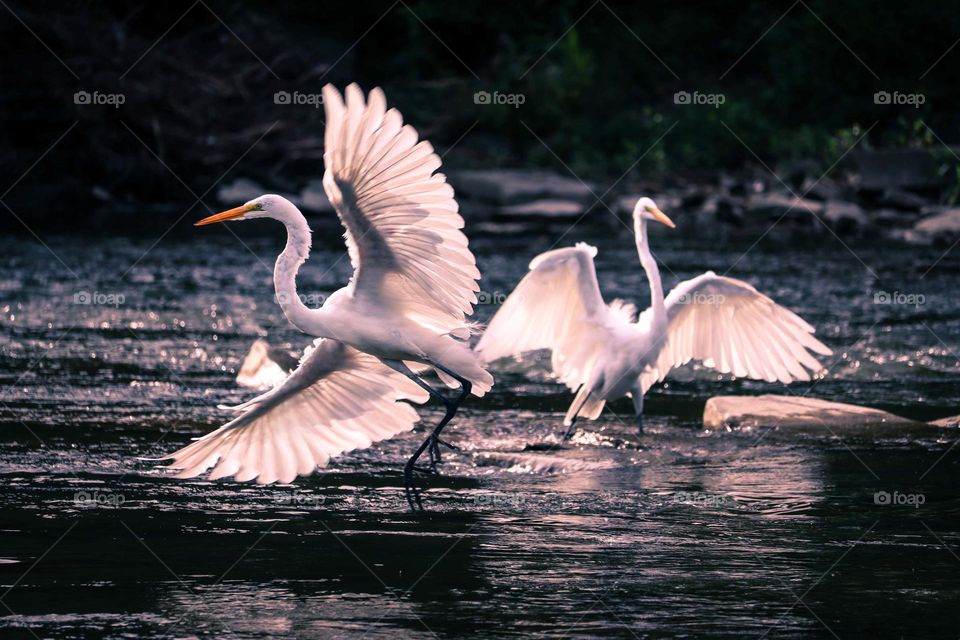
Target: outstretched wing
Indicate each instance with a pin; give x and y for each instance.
(732, 327)
(338, 399)
(401, 219)
(556, 306)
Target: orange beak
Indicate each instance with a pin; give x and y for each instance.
(229, 214)
(661, 217)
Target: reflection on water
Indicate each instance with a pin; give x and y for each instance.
(679, 532)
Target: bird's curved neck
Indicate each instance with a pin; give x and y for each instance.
(294, 254)
(649, 264)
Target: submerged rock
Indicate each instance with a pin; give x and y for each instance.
(539, 463)
(796, 414)
(265, 366)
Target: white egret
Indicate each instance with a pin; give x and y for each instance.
(602, 353)
(405, 308)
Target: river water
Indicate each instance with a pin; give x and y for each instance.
(114, 350)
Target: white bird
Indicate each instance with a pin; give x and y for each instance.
(602, 353)
(405, 308)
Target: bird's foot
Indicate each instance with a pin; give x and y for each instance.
(429, 470)
(434, 450)
(410, 490)
(640, 425)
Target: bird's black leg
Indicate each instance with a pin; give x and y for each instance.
(570, 429)
(432, 444)
(637, 396)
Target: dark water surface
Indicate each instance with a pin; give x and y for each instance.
(678, 533)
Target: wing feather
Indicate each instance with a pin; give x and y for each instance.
(403, 227)
(730, 326)
(556, 306)
(338, 399)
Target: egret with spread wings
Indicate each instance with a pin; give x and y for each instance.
(602, 352)
(403, 311)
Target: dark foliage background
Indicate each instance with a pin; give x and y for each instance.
(598, 81)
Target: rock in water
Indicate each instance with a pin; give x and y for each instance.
(952, 422)
(265, 366)
(940, 229)
(796, 414)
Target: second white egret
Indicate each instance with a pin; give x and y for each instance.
(604, 352)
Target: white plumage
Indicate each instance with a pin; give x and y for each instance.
(602, 352)
(405, 307)
(338, 399)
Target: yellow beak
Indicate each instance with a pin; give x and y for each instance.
(229, 214)
(661, 217)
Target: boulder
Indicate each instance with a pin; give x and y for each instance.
(265, 366)
(795, 413)
(239, 191)
(724, 209)
(514, 186)
(895, 169)
(952, 422)
(845, 217)
(314, 198)
(775, 205)
(822, 189)
(899, 199)
(940, 228)
(545, 208)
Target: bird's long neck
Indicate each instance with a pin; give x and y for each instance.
(649, 264)
(294, 254)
